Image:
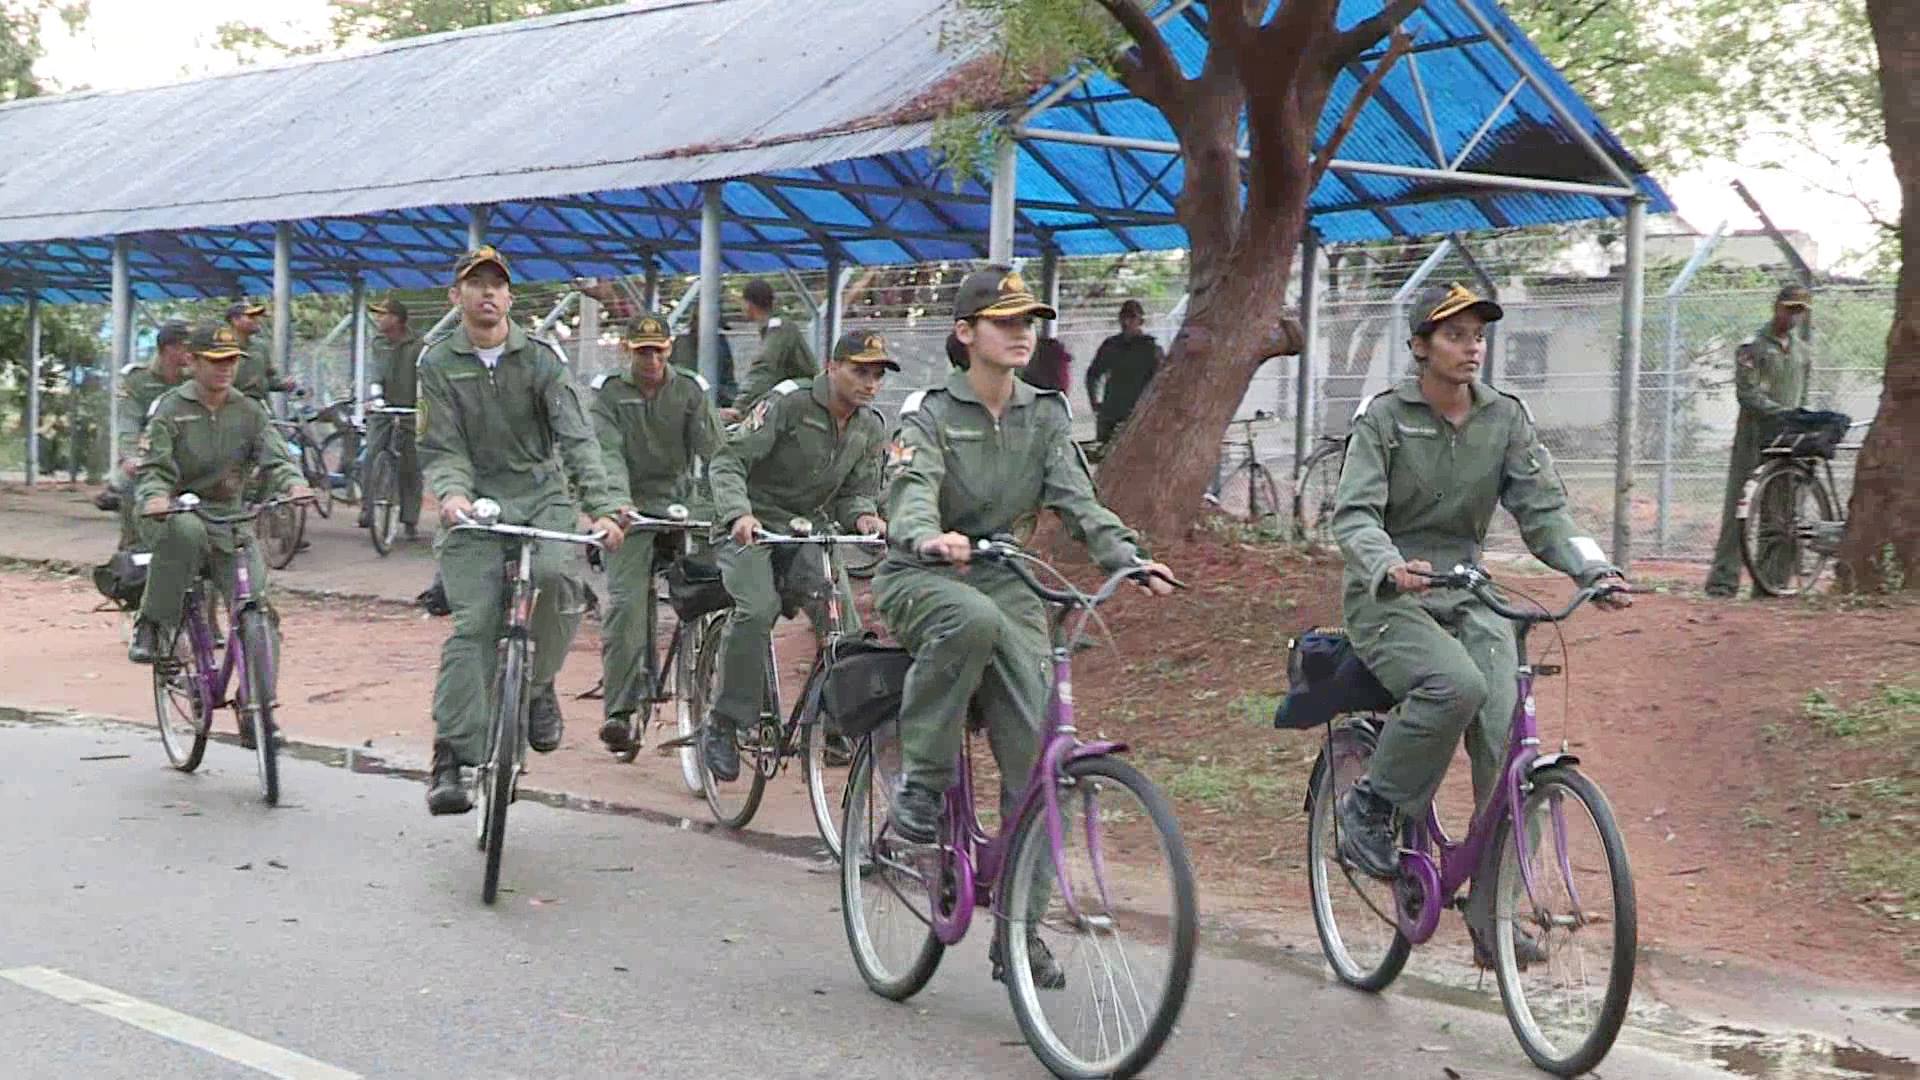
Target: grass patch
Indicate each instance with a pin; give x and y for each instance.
(1892, 709)
(1219, 786)
(1254, 708)
(1876, 816)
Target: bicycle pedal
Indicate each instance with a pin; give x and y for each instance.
(1545, 670)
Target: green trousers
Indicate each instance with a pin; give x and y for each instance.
(627, 650)
(472, 570)
(1452, 665)
(980, 637)
(1724, 577)
(183, 545)
(764, 583)
(379, 430)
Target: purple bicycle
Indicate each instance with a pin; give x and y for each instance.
(1074, 861)
(191, 673)
(1563, 914)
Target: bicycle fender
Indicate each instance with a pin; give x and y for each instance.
(1548, 761)
(1093, 749)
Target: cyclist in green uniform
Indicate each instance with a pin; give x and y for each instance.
(686, 357)
(972, 457)
(257, 375)
(394, 381)
(140, 387)
(655, 423)
(783, 354)
(810, 448)
(1426, 464)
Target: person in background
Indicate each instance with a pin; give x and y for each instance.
(1121, 370)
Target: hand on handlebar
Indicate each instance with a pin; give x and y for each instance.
(614, 535)
(745, 528)
(1613, 592)
(950, 547)
(1409, 577)
(870, 525)
(156, 506)
(1155, 578)
(302, 493)
(455, 508)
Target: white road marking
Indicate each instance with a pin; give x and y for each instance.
(181, 1028)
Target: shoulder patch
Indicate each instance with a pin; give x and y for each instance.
(784, 387)
(1366, 402)
(130, 368)
(1044, 392)
(1518, 400)
(773, 323)
(705, 386)
(600, 380)
(154, 406)
(913, 402)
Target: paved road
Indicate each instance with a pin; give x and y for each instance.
(345, 927)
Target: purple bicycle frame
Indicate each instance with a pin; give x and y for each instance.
(213, 681)
(1459, 860)
(978, 861)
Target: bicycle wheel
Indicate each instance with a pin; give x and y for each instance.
(1236, 491)
(825, 756)
(178, 703)
(1588, 928)
(503, 763)
(885, 901)
(1313, 502)
(1783, 502)
(733, 802)
(316, 473)
(1353, 914)
(1128, 954)
(383, 502)
(278, 531)
(686, 710)
(256, 637)
(339, 466)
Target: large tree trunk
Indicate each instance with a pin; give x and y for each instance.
(1882, 546)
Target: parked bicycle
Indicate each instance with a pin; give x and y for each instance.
(676, 666)
(766, 746)
(1247, 491)
(1791, 515)
(382, 491)
(1049, 869)
(1546, 824)
(498, 776)
(1316, 493)
(192, 673)
(340, 451)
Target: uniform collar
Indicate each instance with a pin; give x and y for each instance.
(1409, 392)
(822, 393)
(959, 387)
(1766, 334)
(461, 343)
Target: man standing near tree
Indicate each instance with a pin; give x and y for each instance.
(1121, 370)
(783, 351)
(1770, 380)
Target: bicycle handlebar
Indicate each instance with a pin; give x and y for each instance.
(676, 519)
(392, 410)
(774, 539)
(1477, 581)
(485, 519)
(1010, 554)
(189, 503)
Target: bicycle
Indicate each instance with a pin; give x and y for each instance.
(340, 451)
(497, 778)
(1316, 493)
(382, 488)
(1247, 491)
(1026, 865)
(1790, 517)
(1367, 942)
(766, 746)
(192, 673)
(658, 671)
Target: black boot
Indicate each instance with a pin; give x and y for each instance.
(718, 747)
(916, 813)
(1526, 948)
(1368, 825)
(1047, 974)
(445, 792)
(145, 643)
(543, 719)
(618, 734)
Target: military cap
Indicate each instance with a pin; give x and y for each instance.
(647, 329)
(173, 332)
(997, 292)
(1438, 304)
(481, 256)
(216, 341)
(1794, 296)
(243, 307)
(389, 306)
(863, 347)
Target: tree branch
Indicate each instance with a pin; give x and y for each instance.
(1364, 34)
(1402, 44)
(1150, 70)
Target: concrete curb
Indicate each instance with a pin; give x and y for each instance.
(83, 569)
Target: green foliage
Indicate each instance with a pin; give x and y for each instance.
(387, 20)
(20, 47)
(1893, 709)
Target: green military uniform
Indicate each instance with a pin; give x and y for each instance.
(216, 454)
(1125, 364)
(789, 458)
(257, 375)
(979, 629)
(783, 355)
(1416, 487)
(1770, 381)
(516, 433)
(394, 374)
(686, 357)
(650, 445)
(140, 386)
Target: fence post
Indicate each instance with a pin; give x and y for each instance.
(122, 344)
(357, 349)
(33, 386)
(709, 300)
(1632, 314)
(1303, 367)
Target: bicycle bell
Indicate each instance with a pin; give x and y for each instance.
(800, 527)
(485, 511)
(676, 512)
(187, 500)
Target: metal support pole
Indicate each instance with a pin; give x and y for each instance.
(1669, 378)
(652, 290)
(359, 348)
(558, 312)
(1633, 304)
(122, 340)
(33, 387)
(830, 314)
(1050, 290)
(1413, 284)
(476, 225)
(282, 296)
(1005, 185)
(710, 210)
(1309, 332)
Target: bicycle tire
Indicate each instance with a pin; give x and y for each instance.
(278, 532)
(827, 800)
(865, 834)
(1323, 863)
(686, 709)
(382, 503)
(503, 763)
(1625, 919)
(1236, 491)
(315, 469)
(733, 816)
(256, 637)
(1032, 862)
(177, 696)
(1263, 496)
(1764, 549)
(1313, 500)
(335, 460)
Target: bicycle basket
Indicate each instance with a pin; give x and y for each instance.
(123, 578)
(1816, 432)
(694, 588)
(862, 687)
(1325, 678)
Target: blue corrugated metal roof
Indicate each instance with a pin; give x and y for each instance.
(612, 119)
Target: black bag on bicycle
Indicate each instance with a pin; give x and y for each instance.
(1816, 432)
(862, 687)
(1326, 678)
(123, 579)
(694, 588)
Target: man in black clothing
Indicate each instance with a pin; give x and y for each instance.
(1121, 371)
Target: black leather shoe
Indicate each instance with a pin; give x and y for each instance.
(721, 752)
(916, 813)
(543, 719)
(1367, 826)
(618, 734)
(445, 793)
(145, 643)
(1526, 949)
(1047, 974)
